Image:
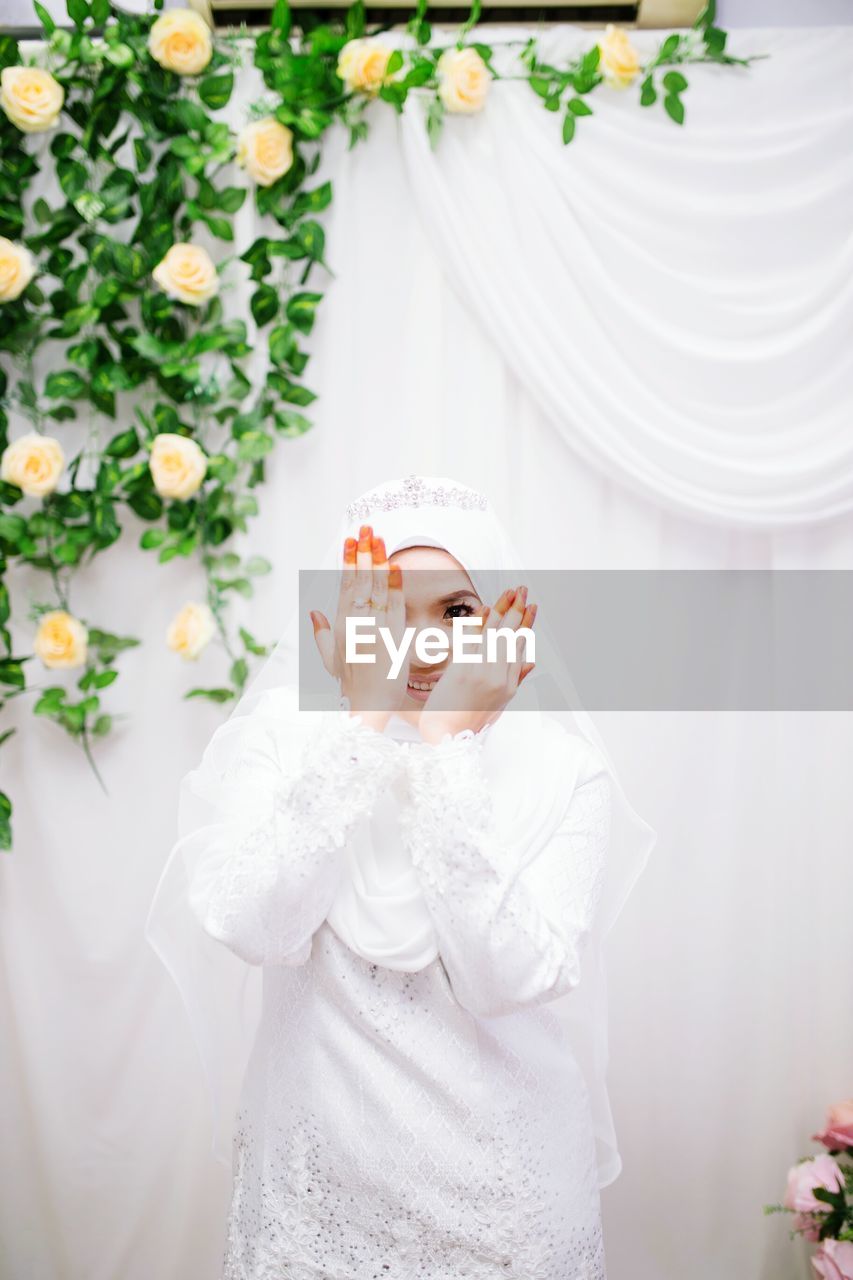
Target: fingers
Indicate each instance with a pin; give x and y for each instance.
(324, 640)
(495, 616)
(363, 579)
(515, 612)
(379, 590)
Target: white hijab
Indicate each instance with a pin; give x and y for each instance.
(379, 911)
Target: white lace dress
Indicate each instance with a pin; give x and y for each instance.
(427, 1125)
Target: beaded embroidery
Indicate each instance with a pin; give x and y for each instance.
(416, 492)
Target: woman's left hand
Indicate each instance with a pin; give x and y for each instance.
(472, 695)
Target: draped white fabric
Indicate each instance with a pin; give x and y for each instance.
(601, 337)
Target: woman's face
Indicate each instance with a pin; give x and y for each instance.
(433, 599)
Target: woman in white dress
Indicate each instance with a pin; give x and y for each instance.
(423, 881)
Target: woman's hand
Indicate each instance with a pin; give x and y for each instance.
(370, 588)
(470, 696)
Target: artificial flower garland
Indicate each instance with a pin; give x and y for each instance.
(169, 73)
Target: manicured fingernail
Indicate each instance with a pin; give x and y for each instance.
(364, 541)
(350, 548)
(365, 531)
(522, 594)
(378, 547)
(395, 577)
(533, 609)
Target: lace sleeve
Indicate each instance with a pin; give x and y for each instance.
(267, 874)
(508, 938)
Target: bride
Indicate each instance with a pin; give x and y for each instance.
(421, 876)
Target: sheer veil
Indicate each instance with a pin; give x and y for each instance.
(222, 994)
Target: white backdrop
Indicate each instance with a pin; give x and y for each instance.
(731, 982)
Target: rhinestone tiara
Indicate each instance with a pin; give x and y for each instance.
(416, 492)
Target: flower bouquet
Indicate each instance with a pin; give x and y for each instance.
(819, 1193)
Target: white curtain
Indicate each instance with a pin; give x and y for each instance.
(638, 345)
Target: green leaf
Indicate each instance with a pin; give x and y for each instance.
(394, 63)
(78, 11)
(648, 92)
(258, 564)
(313, 201)
(120, 55)
(251, 643)
(301, 310)
(213, 695)
(282, 341)
(675, 82)
(66, 385)
(239, 671)
(280, 17)
(540, 86)
(669, 46)
(47, 22)
(215, 91)
(289, 423)
(715, 40)
(312, 238)
(153, 538)
(105, 678)
(578, 107)
(265, 304)
(568, 127)
(124, 445)
(674, 108)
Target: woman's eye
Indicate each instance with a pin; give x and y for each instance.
(459, 610)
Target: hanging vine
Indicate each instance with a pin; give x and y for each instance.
(121, 279)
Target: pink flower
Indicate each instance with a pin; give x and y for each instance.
(820, 1171)
(838, 1132)
(808, 1225)
(834, 1260)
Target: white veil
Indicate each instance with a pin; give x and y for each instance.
(222, 994)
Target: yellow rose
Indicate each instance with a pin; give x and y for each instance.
(187, 273)
(177, 465)
(181, 41)
(61, 640)
(34, 463)
(619, 61)
(463, 80)
(17, 269)
(31, 98)
(191, 629)
(362, 64)
(265, 149)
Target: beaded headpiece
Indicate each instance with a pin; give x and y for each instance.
(417, 492)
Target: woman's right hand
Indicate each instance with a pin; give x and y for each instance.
(370, 587)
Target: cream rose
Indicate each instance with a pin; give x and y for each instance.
(363, 63)
(191, 629)
(17, 269)
(177, 465)
(61, 640)
(187, 273)
(265, 150)
(619, 61)
(463, 80)
(34, 463)
(180, 40)
(31, 98)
